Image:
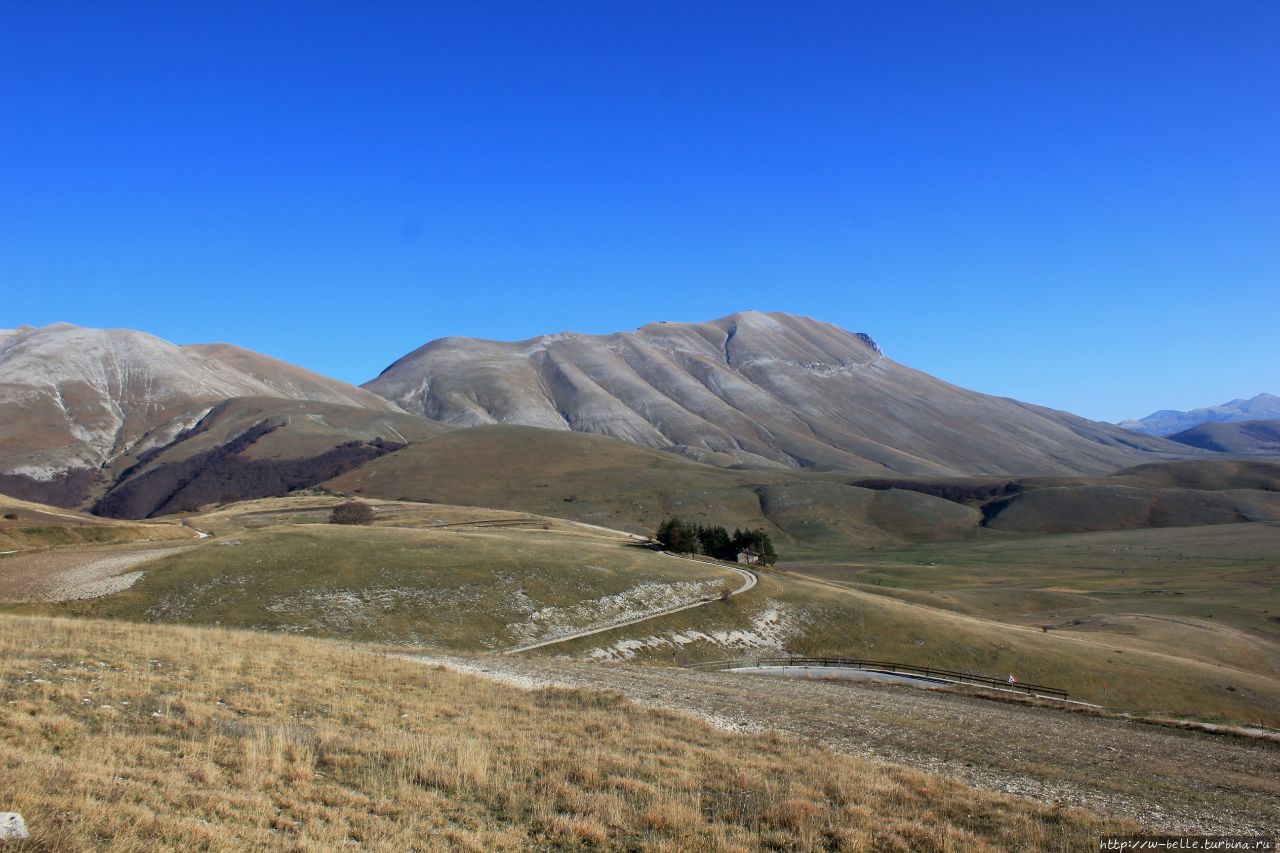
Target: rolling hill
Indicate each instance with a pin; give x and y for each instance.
(1245, 437)
(604, 481)
(755, 389)
(26, 526)
(420, 575)
(811, 514)
(1169, 621)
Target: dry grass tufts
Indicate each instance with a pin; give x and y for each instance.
(119, 736)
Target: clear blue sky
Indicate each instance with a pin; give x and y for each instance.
(1072, 203)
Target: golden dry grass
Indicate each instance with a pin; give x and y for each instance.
(133, 737)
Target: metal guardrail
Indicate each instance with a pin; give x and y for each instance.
(888, 667)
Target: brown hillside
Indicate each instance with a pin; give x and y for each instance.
(1254, 437)
(612, 483)
(256, 447)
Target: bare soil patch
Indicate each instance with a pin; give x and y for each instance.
(64, 575)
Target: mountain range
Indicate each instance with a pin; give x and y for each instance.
(1169, 421)
(753, 413)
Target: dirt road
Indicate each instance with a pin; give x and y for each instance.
(750, 581)
(1169, 779)
(70, 573)
(749, 577)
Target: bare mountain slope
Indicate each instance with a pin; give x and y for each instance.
(254, 447)
(1254, 437)
(755, 389)
(72, 400)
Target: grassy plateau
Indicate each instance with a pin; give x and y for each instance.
(459, 578)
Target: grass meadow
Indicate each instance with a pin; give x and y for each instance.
(124, 736)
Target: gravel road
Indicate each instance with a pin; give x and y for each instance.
(749, 581)
(1170, 779)
(65, 574)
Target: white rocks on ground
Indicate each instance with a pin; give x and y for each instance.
(13, 827)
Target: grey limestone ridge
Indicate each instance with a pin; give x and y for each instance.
(1170, 421)
(755, 389)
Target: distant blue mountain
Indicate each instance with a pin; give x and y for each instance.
(1168, 421)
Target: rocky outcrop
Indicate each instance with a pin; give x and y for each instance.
(13, 827)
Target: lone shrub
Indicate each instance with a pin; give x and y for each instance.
(352, 512)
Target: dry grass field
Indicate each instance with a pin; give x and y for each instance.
(315, 506)
(423, 575)
(1224, 783)
(119, 736)
(1216, 575)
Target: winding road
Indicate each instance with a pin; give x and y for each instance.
(749, 577)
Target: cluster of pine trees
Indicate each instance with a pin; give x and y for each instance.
(683, 537)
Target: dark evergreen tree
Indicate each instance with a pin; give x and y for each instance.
(674, 535)
(715, 542)
(757, 543)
